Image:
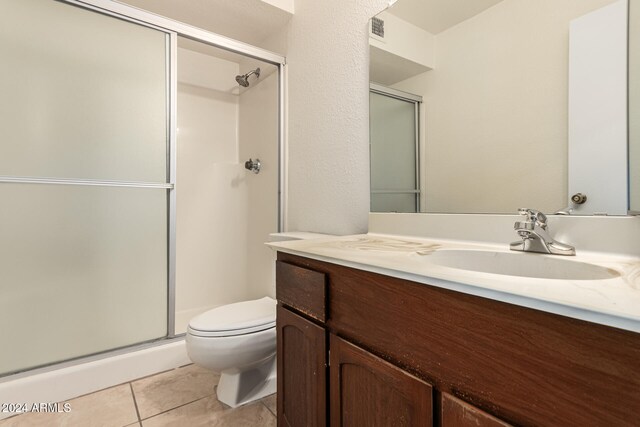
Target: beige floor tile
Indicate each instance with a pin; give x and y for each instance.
(111, 407)
(271, 403)
(168, 390)
(211, 413)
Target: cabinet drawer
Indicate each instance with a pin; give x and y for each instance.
(302, 289)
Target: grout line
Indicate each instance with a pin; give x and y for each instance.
(151, 375)
(268, 409)
(180, 406)
(135, 403)
(213, 393)
(157, 373)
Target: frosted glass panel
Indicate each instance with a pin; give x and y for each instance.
(393, 149)
(83, 270)
(83, 94)
(403, 203)
(393, 143)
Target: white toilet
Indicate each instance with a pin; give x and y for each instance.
(239, 341)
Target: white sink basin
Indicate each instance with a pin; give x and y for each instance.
(521, 264)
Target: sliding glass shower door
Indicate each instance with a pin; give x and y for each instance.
(393, 150)
(84, 183)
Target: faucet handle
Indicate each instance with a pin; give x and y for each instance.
(534, 216)
(523, 225)
(526, 212)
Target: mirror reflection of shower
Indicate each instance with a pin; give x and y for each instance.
(243, 79)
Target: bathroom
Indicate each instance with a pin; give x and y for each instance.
(306, 118)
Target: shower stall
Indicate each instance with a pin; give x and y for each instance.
(125, 205)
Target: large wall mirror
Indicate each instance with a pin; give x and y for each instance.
(485, 106)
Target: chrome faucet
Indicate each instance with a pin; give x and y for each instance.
(535, 237)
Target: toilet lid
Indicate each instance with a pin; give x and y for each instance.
(236, 319)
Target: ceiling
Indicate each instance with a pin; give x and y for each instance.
(436, 16)
(248, 21)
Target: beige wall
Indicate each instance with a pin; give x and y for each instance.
(496, 109)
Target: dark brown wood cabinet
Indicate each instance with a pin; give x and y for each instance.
(302, 371)
(458, 413)
(405, 353)
(368, 391)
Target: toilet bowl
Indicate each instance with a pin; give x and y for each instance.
(239, 341)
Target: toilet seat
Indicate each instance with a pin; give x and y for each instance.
(240, 318)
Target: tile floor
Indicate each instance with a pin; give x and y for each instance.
(183, 397)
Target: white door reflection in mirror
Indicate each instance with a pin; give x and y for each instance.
(598, 111)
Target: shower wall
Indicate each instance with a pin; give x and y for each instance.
(258, 134)
(224, 212)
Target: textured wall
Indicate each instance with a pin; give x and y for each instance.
(328, 101)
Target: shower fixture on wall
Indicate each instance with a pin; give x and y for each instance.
(243, 79)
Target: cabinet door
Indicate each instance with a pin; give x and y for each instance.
(368, 391)
(457, 413)
(302, 371)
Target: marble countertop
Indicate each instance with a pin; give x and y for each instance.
(613, 301)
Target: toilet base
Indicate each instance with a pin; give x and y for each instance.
(238, 388)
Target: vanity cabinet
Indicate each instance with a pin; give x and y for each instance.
(357, 348)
